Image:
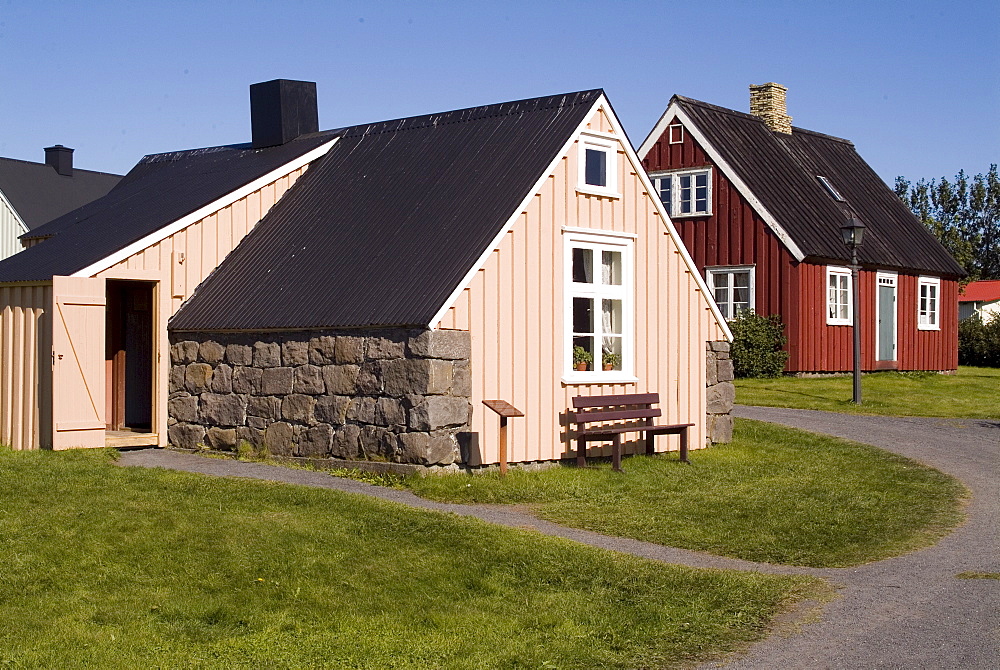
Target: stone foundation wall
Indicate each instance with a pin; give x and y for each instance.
(401, 396)
(720, 392)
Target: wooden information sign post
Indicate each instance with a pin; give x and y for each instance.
(504, 409)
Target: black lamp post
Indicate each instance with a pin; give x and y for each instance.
(854, 231)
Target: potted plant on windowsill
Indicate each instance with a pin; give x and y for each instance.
(611, 360)
(582, 358)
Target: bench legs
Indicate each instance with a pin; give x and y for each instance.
(581, 452)
(616, 453)
(684, 445)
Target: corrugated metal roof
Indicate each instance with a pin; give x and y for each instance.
(781, 170)
(39, 194)
(981, 291)
(159, 190)
(383, 229)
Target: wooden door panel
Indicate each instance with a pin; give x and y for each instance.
(78, 363)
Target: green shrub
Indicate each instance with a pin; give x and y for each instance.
(978, 342)
(757, 343)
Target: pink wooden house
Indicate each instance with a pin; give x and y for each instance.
(358, 293)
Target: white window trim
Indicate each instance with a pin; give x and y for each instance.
(599, 142)
(712, 270)
(612, 242)
(936, 283)
(680, 133)
(674, 206)
(832, 270)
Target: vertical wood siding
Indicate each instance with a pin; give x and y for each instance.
(25, 364)
(10, 230)
(514, 309)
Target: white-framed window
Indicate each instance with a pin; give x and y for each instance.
(685, 192)
(675, 133)
(732, 287)
(929, 303)
(839, 307)
(598, 161)
(599, 331)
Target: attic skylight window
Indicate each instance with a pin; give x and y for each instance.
(834, 193)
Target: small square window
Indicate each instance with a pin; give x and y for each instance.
(597, 168)
(675, 133)
(598, 159)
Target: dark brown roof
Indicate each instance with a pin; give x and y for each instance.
(781, 171)
(159, 190)
(39, 194)
(382, 230)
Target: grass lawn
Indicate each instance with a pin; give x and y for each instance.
(113, 567)
(774, 494)
(972, 393)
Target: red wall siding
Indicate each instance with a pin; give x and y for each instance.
(735, 235)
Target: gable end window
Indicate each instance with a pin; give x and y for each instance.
(675, 133)
(598, 309)
(732, 288)
(929, 303)
(839, 308)
(598, 159)
(686, 192)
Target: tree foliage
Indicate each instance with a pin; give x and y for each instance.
(757, 343)
(979, 342)
(963, 214)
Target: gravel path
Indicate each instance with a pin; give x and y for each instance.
(906, 612)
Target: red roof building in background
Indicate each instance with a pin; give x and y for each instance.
(980, 297)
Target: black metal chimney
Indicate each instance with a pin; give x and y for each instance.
(60, 158)
(281, 110)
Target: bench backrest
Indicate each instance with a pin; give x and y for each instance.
(615, 407)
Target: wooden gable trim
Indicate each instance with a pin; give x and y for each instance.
(675, 112)
(205, 211)
(17, 217)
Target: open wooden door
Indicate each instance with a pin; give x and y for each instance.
(78, 368)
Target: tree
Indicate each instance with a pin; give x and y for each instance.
(964, 215)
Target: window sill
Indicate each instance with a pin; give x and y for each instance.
(690, 216)
(839, 323)
(599, 377)
(598, 192)
(925, 327)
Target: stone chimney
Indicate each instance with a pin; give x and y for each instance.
(60, 158)
(767, 102)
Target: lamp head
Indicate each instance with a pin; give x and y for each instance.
(853, 231)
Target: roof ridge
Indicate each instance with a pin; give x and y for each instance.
(75, 169)
(751, 117)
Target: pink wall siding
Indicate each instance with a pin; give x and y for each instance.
(514, 309)
(25, 367)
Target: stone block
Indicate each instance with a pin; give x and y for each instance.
(345, 442)
(389, 412)
(428, 448)
(370, 378)
(350, 349)
(720, 428)
(720, 398)
(264, 406)
(222, 379)
(317, 441)
(211, 352)
(247, 380)
(239, 354)
(198, 378)
(321, 350)
(183, 409)
(279, 439)
(308, 379)
(276, 381)
(298, 407)
(341, 379)
(177, 378)
(383, 347)
(461, 379)
(266, 355)
(375, 442)
(719, 346)
(186, 435)
(253, 436)
(439, 412)
(221, 438)
(294, 352)
(184, 352)
(362, 409)
(448, 344)
(219, 409)
(258, 423)
(332, 409)
(711, 370)
(726, 371)
(406, 376)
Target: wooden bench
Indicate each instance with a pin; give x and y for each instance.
(626, 411)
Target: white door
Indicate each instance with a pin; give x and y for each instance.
(78, 369)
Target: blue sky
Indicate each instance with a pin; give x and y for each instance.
(914, 84)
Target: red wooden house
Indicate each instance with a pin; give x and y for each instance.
(759, 205)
